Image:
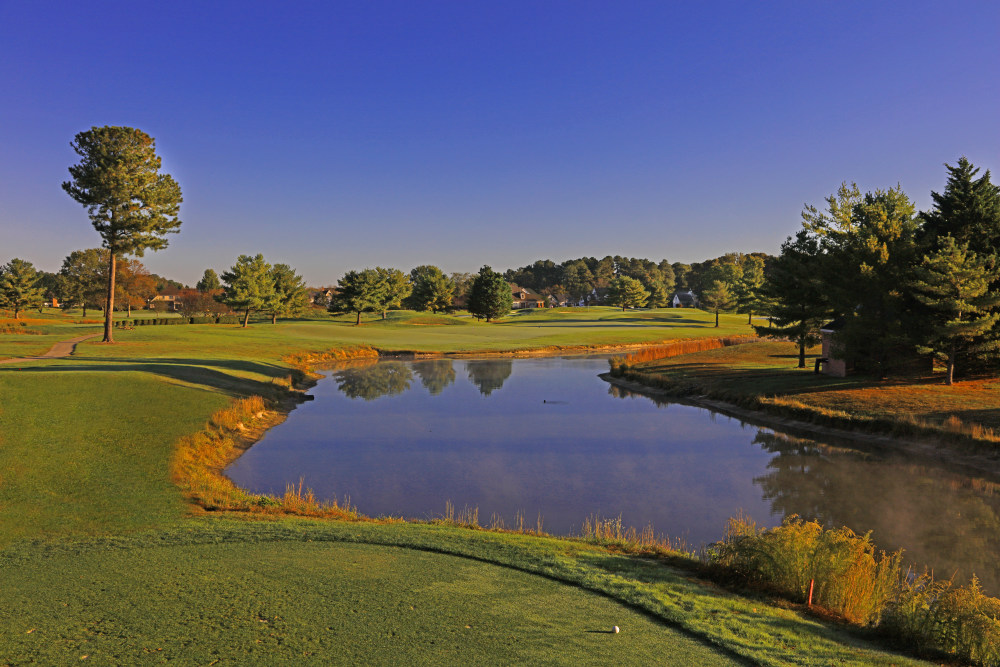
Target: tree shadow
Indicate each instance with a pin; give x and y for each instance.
(197, 372)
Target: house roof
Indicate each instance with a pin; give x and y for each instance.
(684, 297)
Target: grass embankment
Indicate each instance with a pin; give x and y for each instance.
(763, 376)
(86, 450)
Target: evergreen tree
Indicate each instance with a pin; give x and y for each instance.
(659, 297)
(358, 292)
(870, 263)
(19, 287)
(209, 281)
(747, 289)
(954, 284)
(131, 205)
(968, 211)
(248, 286)
(82, 278)
(290, 295)
(717, 298)
(578, 280)
(627, 293)
(718, 291)
(395, 288)
(432, 290)
(490, 296)
(795, 287)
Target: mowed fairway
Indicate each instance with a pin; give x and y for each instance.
(317, 603)
(100, 555)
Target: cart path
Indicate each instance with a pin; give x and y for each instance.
(63, 348)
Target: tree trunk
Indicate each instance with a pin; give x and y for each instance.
(357, 322)
(128, 307)
(109, 309)
(274, 318)
(246, 319)
(802, 354)
(717, 318)
(749, 318)
(383, 314)
(951, 367)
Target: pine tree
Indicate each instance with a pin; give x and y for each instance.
(490, 296)
(290, 295)
(209, 281)
(395, 288)
(248, 286)
(748, 286)
(358, 292)
(953, 283)
(797, 293)
(627, 293)
(968, 210)
(19, 287)
(131, 205)
(432, 290)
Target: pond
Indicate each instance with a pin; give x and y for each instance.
(547, 437)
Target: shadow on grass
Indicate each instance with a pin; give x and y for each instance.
(204, 373)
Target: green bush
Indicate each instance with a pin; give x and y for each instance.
(229, 319)
(848, 576)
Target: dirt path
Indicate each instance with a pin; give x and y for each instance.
(63, 348)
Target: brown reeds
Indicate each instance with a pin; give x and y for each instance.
(307, 360)
(199, 459)
(621, 364)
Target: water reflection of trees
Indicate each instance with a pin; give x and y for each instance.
(435, 375)
(489, 375)
(386, 378)
(946, 521)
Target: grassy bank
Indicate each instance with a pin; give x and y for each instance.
(101, 553)
(764, 376)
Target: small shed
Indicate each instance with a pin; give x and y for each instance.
(829, 363)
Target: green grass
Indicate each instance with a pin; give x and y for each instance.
(84, 449)
(219, 586)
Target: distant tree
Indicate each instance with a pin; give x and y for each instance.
(627, 293)
(82, 279)
(395, 287)
(798, 293)
(463, 283)
(291, 297)
(604, 272)
(49, 284)
(432, 290)
(134, 286)
(578, 280)
(131, 205)
(199, 303)
(248, 286)
(165, 283)
(659, 297)
(490, 296)
(718, 297)
(358, 292)
(209, 281)
(954, 284)
(19, 286)
(680, 275)
(748, 286)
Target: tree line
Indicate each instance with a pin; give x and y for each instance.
(897, 284)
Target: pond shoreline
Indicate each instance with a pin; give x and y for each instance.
(927, 449)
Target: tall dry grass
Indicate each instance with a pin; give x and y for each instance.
(621, 364)
(199, 460)
(307, 360)
(865, 586)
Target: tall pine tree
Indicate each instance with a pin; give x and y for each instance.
(953, 283)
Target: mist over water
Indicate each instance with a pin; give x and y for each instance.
(548, 437)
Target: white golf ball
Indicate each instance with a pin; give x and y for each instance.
(617, 629)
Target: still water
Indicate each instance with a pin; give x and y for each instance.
(548, 437)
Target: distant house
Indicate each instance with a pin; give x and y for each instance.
(167, 299)
(321, 295)
(686, 299)
(526, 298)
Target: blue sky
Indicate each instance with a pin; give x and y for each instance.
(333, 136)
